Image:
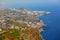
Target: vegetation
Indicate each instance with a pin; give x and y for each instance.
(21, 35)
(14, 30)
(24, 33)
(2, 37)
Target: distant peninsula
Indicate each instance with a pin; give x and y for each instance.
(21, 24)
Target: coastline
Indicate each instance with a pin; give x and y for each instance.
(22, 22)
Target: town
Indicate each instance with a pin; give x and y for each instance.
(22, 20)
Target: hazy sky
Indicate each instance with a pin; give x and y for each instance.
(7, 3)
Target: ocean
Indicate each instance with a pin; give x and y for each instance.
(52, 30)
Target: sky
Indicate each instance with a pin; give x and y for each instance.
(22, 3)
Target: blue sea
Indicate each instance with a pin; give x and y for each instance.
(52, 30)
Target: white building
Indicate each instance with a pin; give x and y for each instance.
(0, 29)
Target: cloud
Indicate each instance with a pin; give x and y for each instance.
(29, 2)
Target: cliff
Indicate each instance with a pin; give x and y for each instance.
(23, 32)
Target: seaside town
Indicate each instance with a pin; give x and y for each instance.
(21, 24)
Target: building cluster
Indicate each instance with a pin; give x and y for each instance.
(21, 15)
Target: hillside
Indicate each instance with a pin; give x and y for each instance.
(21, 24)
